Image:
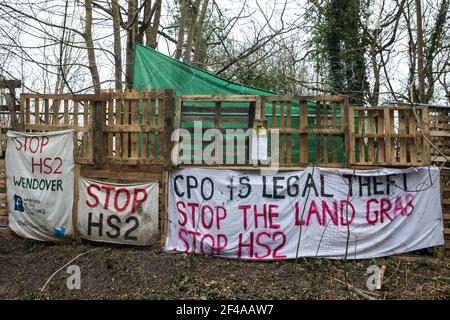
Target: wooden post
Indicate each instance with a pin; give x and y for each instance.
(349, 129)
(76, 175)
(22, 113)
(175, 151)
(98, 141)
(164, 206)
(425, 127)
(168, 126)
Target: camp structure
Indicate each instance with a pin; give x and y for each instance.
(134, 144)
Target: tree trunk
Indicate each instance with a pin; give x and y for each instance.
(11, 105)
(132, 32)
(151, 31)
(117, 44)
(90, 46)
(184, 13)
(192, 30)
(420, 56)
(199, 41)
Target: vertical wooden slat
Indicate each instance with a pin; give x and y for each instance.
(381, 137)
(110, 126)
(260, 115)
(402, 141)
(91, 132)
(27, 111)
(119, 120)
(145, 125)
(217, 111)
(274, 125)
(351, 151)
(152, 135)
(46, 111)
(274, 114)
(289, 125)
(125, 121)
(282, 140)
(318, 135)
(424, 126)
(160, 129)
(36, 111)
(333, 137)
(217, 114)
(66, 112)
(370, 131)
(75, 128)
(85, 140)
(412, 141)
(387, 134)
(134, 112)
(325, 125)
(56, 103)
(394, 142)
(361, 131)
(303, 114)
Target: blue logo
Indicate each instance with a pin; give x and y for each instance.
(18, 203)
(59, 232)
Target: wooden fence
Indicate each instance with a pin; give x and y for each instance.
(391, 135)
(135, 127)
(321, 130)
(126, 135)
(439, 120)
(197, 115)
(48, 112)
(311, 128)
(129, 127)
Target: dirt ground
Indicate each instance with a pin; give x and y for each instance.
(148, 273)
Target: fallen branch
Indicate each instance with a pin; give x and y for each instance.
(362, 293)
(82, 254)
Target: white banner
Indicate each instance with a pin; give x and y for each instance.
(305, 213)
(39, 183)
(118, 213)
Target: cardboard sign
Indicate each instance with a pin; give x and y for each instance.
(118, 213)
(39, 180)
(304, 213)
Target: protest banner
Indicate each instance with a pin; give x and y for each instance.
(118, 213)
(314, 212)
(39, 182)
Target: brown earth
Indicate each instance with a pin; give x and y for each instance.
(112, 272)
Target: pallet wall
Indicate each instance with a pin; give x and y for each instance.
(445, 200)
(3, 204)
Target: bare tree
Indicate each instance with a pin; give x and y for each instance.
(115, 12)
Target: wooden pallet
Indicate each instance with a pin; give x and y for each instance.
(3, 203)
(445, 201)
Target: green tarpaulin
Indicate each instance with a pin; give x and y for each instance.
(154, 70)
